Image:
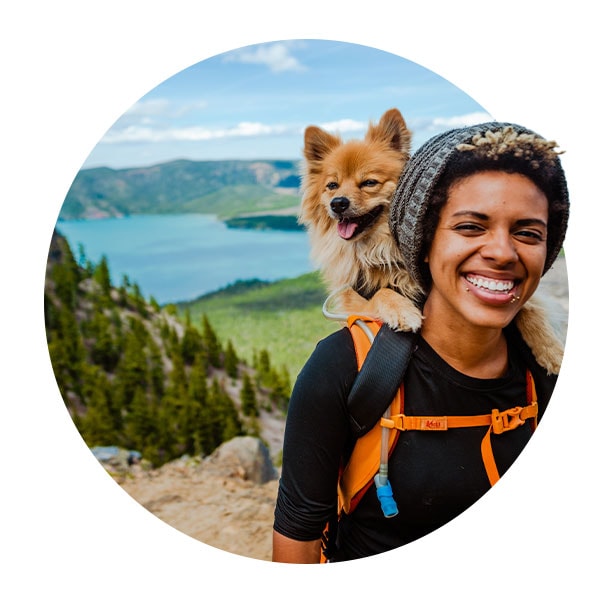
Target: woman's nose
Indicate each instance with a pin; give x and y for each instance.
(500, 247)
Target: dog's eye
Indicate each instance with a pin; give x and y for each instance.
(332, 185)
(369, 183)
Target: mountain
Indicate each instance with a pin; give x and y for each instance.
(225, 188)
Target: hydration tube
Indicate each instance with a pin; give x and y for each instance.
(382, 484)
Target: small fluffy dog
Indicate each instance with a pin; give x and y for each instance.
(347, 189)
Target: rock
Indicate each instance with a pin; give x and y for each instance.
(245, 457)
(214, 500)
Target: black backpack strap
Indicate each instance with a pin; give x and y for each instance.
(379, 378)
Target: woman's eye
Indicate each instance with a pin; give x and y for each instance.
(530, 235)
(332, 185)
(468, 227)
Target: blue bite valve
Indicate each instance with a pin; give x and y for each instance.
(386, 498)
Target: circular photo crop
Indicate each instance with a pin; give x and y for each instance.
(236, 216)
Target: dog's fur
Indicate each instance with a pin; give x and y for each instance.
(347, 189)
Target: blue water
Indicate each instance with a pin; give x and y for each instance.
(180, 257)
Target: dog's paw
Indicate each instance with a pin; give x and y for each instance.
(407, 320)
(398, 312)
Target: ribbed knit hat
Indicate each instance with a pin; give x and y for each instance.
(491, 141)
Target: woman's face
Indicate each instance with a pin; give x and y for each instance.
(489, 249)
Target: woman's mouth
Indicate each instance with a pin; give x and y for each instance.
(491, 290)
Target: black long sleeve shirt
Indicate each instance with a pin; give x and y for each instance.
(435, 475)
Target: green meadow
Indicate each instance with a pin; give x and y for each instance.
(283, 318)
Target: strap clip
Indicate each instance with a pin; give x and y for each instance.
(393, 422)
(512, 418)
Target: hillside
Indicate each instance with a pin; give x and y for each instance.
(137, 376)
(225, 188)
(283, 317)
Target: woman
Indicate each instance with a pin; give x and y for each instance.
(480, 214)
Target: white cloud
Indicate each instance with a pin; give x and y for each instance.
(244, 129)
(142, 130)
(460, 120)
(276, 57)
(344, 126)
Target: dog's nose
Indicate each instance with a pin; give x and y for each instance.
(339, 204)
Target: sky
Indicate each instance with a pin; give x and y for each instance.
(254, 103)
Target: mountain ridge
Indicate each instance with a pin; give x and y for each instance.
(223, 187)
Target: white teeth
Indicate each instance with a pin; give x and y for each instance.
(492, 284)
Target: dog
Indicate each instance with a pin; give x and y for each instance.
(347, 188)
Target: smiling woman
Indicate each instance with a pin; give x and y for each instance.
(486, 260)
(480, 214)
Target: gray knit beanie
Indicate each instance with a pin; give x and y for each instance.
(493, 145)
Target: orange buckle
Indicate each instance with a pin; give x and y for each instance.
(508, 420)
(393, 422)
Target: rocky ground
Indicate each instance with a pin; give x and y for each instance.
(227, 500)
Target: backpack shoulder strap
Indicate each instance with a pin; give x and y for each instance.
(382, 365)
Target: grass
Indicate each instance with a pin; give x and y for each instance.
(283, 317)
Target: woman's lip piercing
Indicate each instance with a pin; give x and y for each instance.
(513, 299)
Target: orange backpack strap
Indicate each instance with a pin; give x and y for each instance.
(359, 472)
(505, 421)
(384, 357)
(364, 461)
(498, 422)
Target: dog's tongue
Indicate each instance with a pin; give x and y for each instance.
(346, 229)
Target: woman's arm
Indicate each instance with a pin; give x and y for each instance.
(317, 432)
(286, 550)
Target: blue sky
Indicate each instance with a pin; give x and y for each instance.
(255, 102)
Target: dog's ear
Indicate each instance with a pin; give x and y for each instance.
(393, 130)
(318, 143)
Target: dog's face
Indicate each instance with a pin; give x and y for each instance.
(348, 186)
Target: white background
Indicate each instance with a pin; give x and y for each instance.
(69, 70)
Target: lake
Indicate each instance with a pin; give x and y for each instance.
(181, 257)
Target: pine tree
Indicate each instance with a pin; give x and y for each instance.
(102, 276)
(140, 427)
(156, 369)
(191, 341)
(178, 411)
(263, 369)
(132, 371)
(280, 388)
(248, 397)
(139, 304)
(211, 342)
(198, 394)
(104, 349)
(221, 415)
(67, 351)
(231, 361)
(65, 276)
(98, 426)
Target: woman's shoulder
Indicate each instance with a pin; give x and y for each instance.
(336, 351)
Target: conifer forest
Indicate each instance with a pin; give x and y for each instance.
(140, 376)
